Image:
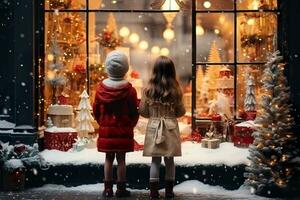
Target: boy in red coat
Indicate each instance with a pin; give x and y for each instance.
(116, 112)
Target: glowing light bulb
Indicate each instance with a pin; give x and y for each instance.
(199, 30)
(50, 57)
(143, 45)
(217, 31)
(134, 38)
(124, 31)
(207, 4)
(164, 51)
(169, 34)
(251, 21)
(155, 50)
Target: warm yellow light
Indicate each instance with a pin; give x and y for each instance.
(207, 4)
(155, 50)
(199, 30)
(251, 21)
(124, 31)
(50, 57)
(169, 34)
(134, 38)
(222, 19)
(254, 5)
(143, 45)
(164, 51)
(217, 31)
(170, 5)
(50, 75)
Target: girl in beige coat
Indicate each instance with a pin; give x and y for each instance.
(162, 104)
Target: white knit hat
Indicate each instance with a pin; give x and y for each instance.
(116, 64)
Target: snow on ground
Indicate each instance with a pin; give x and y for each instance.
(192, 154)
(188, 187)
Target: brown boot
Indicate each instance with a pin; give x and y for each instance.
(169, 194)
(108, 189)
(153, 185)
(121, 190)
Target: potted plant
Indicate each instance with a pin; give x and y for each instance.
(14, 160)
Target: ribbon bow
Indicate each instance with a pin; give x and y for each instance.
(159, 138)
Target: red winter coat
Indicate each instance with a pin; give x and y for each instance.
(116, 112)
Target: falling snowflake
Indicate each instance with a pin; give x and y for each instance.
(23, 84)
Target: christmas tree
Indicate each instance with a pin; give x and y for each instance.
(250, 102)
(55, 75)
(84, 118)
(271, 167)
(212, 72)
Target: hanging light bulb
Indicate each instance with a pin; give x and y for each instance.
(155, 50)
(124, 31)
(217, 31)
(207, 4)
(164, 51)
(251, 21)
(169, 34)
(143, 45)
(199, 30)
(134, 38)
(50, 57)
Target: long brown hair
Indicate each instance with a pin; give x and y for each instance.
(163, 85)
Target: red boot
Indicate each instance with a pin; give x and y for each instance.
(153, 185)
(121, 190)
(169, 194)
(108, 189)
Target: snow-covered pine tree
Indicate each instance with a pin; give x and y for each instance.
(84, 118)
(271, 155)
(249, 101)
(55, 69)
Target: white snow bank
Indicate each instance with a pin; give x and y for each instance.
(13, 164)
(192, 154)
(6, 125)
(249, 123)
(187, 187)
(55, 129)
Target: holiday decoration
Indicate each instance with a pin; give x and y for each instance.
(59, 138)
(271, 167)
(242, 136)
(61, 115)
(211, 139)
(80, 143)
(109, 37)
(250, 102)
(84, 118)
(55, 69)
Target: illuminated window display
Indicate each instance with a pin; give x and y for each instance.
(232, 41)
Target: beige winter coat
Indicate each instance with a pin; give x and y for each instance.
(162, 134)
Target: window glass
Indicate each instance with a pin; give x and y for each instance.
(256, 4)
(215, 39)
(65, 57)
(65, 4)
(214, 90)
(256, 34)
(214, 4)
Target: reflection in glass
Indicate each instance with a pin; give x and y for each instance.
(214, 4)
(256, 4)
(65, 58)
(215, 29)
(214, 90)
(248, 88)
(256, 36)
(141, 38)
(65, 4)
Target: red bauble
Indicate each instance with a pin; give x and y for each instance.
(134, 74)
(20, 148)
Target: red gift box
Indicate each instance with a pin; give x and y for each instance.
(62, 141)
(242, 136)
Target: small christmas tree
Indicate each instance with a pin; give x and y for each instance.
(55, 69)
(250, 102)
(212, 72)
(271, 166)
(84, 117)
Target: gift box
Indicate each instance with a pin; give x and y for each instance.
(242, 136)
(212, 143)
(62, 141)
